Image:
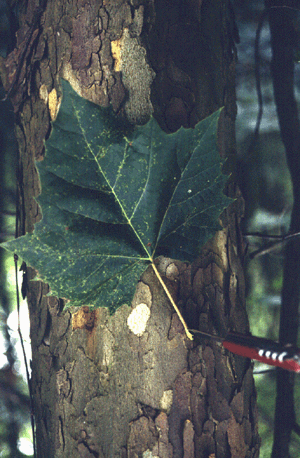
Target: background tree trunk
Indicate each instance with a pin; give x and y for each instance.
(283, 37)
(99, 390)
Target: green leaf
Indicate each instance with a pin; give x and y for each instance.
(114, 197)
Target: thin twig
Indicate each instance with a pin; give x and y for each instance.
(264, 371)
(270, 246)
(262, 18)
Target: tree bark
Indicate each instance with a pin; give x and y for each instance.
(99, 390)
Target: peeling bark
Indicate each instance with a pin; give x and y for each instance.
(103, 388)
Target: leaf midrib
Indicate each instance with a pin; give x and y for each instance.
(149, 257)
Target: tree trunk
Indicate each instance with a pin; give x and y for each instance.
(99, 390)
(283, 38)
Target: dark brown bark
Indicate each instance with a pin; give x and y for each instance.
(99, 390)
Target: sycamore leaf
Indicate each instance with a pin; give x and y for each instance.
(114, 197)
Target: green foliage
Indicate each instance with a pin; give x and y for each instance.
(114, 197)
